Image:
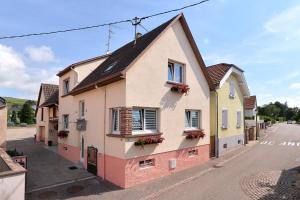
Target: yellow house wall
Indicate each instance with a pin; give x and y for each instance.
(232, 105)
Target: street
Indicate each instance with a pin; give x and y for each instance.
(266, 170)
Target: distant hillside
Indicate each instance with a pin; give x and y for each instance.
(16, 103)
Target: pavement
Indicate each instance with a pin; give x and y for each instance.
(264, 170)
(45, 168)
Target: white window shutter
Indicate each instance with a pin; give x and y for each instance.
(232, 91)
(239, 119)
(224, 119)
(150, 119)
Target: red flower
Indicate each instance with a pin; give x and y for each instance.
(195, 134)
(63, 134)
(149, 140)
(182, 88)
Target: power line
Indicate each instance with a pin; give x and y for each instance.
(101, 25)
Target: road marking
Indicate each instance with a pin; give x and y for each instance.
(284, 143)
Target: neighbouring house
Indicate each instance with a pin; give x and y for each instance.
(3, 122)
(141, 112)
(12, 178)
(251, 121)
(47, 114)
(227, 107)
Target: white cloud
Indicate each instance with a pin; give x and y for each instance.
(40, 54)
(14, 74)
(295, 86)
(216, 58)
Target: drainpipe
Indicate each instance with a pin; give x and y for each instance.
(104, 136)
(217, 126)
(245, 132)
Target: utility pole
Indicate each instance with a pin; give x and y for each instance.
(135, 22)
(110, 32)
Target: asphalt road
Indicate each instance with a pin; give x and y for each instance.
(265, 171)
(279, 151)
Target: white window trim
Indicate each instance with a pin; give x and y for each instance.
(146, 131)
(182, 72)
(64, 127)
(116, 132)
(64, 88)
(199, 120)
(80, 109)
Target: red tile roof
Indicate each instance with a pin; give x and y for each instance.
(250, 102)
(217, 72)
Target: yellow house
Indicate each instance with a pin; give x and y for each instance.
(227, 107)
(3, 123)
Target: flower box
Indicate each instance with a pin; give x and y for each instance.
(149, 140)
(180, 88)
(63, 134)
(190, 135)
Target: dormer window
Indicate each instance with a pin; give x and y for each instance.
(66, 85)
(175, 72)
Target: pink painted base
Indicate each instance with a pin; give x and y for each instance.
(69, 152)
(127, 172)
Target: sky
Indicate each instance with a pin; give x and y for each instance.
(261, 37)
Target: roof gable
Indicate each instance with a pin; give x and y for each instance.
(48, 90)
(250, 102)
(219, 73)
(113, 68)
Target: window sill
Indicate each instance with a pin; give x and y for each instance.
(133, 136)
(175, 83)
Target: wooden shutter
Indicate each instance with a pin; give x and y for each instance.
(232, 91)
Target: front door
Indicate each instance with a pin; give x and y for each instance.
(81, 148)
(92, 160)
(42, 133)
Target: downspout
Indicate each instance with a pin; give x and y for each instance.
(104, 136)
(245, 131)
(217, 126)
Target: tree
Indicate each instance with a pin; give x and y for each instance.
(27, 114)
(14, 116)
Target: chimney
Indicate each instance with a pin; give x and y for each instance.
(138, 35)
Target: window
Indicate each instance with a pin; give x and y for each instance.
(193, 152)
(231, 88)
(146, 163)
(192, 119)
(66, 86)
(42, 114)
(116, 121)
(175, 72)
(81, 109)
(238, 119)
(144, 120)
(66, 122)
(224, 119)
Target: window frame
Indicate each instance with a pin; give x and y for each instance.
(182, 66)
(42, 114)
(66, 90)
(117, 132)
(190, 127)
(144, 130)
(81, 112)
(146, 163)
(66, 128)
